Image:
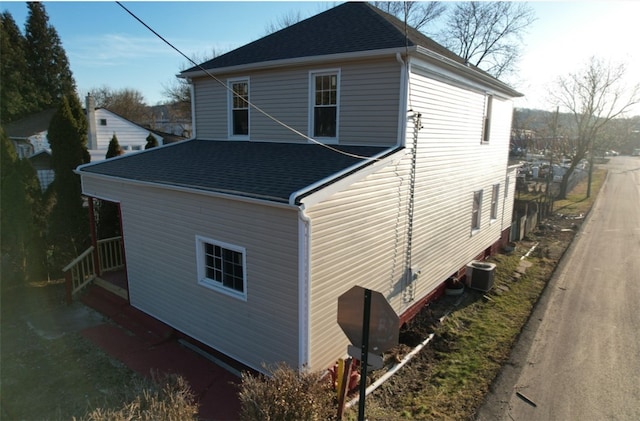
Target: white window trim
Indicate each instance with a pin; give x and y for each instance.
(230, 83)
(214, 285)
(312, 94)
(476, 229)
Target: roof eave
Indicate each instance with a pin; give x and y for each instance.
(468, 72)
(298, 61)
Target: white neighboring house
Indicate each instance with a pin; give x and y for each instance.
(103, 124)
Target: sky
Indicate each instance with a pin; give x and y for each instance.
(108, 47)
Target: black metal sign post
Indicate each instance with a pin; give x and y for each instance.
(365, 352)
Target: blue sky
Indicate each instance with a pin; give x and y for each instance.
(107, 47)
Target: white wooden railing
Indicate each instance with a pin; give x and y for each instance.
(79, 273)
(82, 270)
(110, 254)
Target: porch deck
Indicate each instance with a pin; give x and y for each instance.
(114, 281)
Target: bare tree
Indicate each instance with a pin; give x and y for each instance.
(487, 35)
(283, 21)
(417, 14)
(178, 92)
(594, 96)
(127, 102)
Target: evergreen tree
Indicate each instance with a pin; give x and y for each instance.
(21, 216)
(16, 95)
(114, 148)
(69, 230)
(152, 142)
(47, 60)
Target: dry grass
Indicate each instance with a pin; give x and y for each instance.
(165, 398)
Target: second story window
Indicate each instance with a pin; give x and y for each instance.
(239, 108)
(324, 104)
(486, 123)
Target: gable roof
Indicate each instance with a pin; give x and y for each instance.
(30, 125)
(347, 28)
(258, 170)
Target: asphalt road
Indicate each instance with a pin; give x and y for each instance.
(578, 358)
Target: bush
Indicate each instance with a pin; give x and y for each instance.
(286, 394)
(169, 398)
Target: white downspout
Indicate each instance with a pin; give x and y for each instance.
(402, 106)
(304, 287)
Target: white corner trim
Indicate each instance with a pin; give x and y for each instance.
(304, 288)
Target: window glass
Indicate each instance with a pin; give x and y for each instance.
(240, 108)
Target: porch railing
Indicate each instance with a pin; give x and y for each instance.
(82, 270)
(79, 273)
(110, 254)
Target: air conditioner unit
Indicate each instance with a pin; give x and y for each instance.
(480, 275)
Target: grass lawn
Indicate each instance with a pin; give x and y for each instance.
(449, 378)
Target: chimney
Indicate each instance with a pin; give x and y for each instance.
(91, 119)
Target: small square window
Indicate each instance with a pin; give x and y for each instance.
(103, 121)
(221, 267)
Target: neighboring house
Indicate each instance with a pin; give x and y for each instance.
(41, 162)
(103, 124)
(29, 134)
(167, 118)
(244, 237)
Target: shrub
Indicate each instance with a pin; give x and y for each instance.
(286, 394)
(169, 398)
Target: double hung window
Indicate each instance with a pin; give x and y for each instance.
(239, 107)
(476, 209)
(324, 104)
(486, 124)
(494, 201)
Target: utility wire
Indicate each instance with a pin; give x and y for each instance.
(245, 100)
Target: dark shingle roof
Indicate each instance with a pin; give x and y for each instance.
(30, 125)
(268, 171)
(347, 28)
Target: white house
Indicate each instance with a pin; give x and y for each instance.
(343, 150)
(103, 124)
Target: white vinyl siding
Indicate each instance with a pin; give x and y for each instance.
(284, 94)
(359, 235)
(162, 268)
